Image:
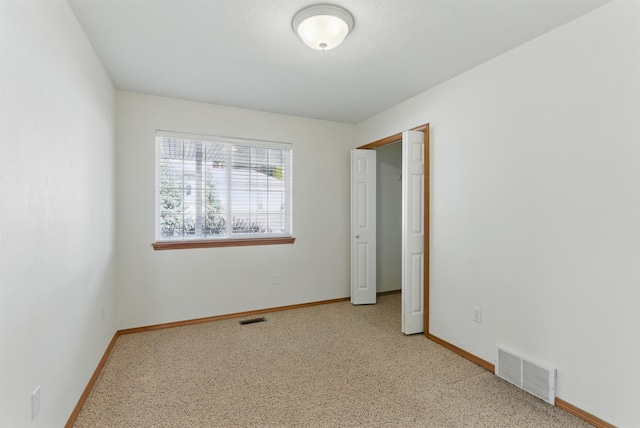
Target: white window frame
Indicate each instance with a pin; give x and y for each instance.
(251, 223)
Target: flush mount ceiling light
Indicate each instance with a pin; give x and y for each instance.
(323, 26)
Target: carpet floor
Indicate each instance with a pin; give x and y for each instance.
(333, 365)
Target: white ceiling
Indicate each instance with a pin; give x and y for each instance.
(244, 53)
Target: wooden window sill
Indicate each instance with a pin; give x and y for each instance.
(181, 245)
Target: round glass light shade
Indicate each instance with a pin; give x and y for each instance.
(323, 27)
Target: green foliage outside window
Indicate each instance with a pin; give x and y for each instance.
(176, 220)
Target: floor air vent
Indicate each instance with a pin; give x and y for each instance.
(252, 321)
(536, 379)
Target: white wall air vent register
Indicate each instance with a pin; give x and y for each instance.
(535, 378)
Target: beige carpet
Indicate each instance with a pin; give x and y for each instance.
(333, 365)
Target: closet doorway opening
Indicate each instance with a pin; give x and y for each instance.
(390, 189)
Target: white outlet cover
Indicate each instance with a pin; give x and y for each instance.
(477, 314)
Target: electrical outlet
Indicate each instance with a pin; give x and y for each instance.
(35, 402)
(477, 314)
(274, 278)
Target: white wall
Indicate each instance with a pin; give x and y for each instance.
(389, 217)
(535, 166)
(164, 286)
(56, 214)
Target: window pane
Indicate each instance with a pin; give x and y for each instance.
(171, 225)
(203, 184)
(215, 225)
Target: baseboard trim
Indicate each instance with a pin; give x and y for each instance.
(242, 314)
(386, 293)
(469, 356)
(560, 403)
(585, 416)
(92, 381)
(228, 316)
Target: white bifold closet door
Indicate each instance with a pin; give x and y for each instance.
(363, 229)
(413, 232)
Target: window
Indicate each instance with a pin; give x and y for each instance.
(221, 190)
